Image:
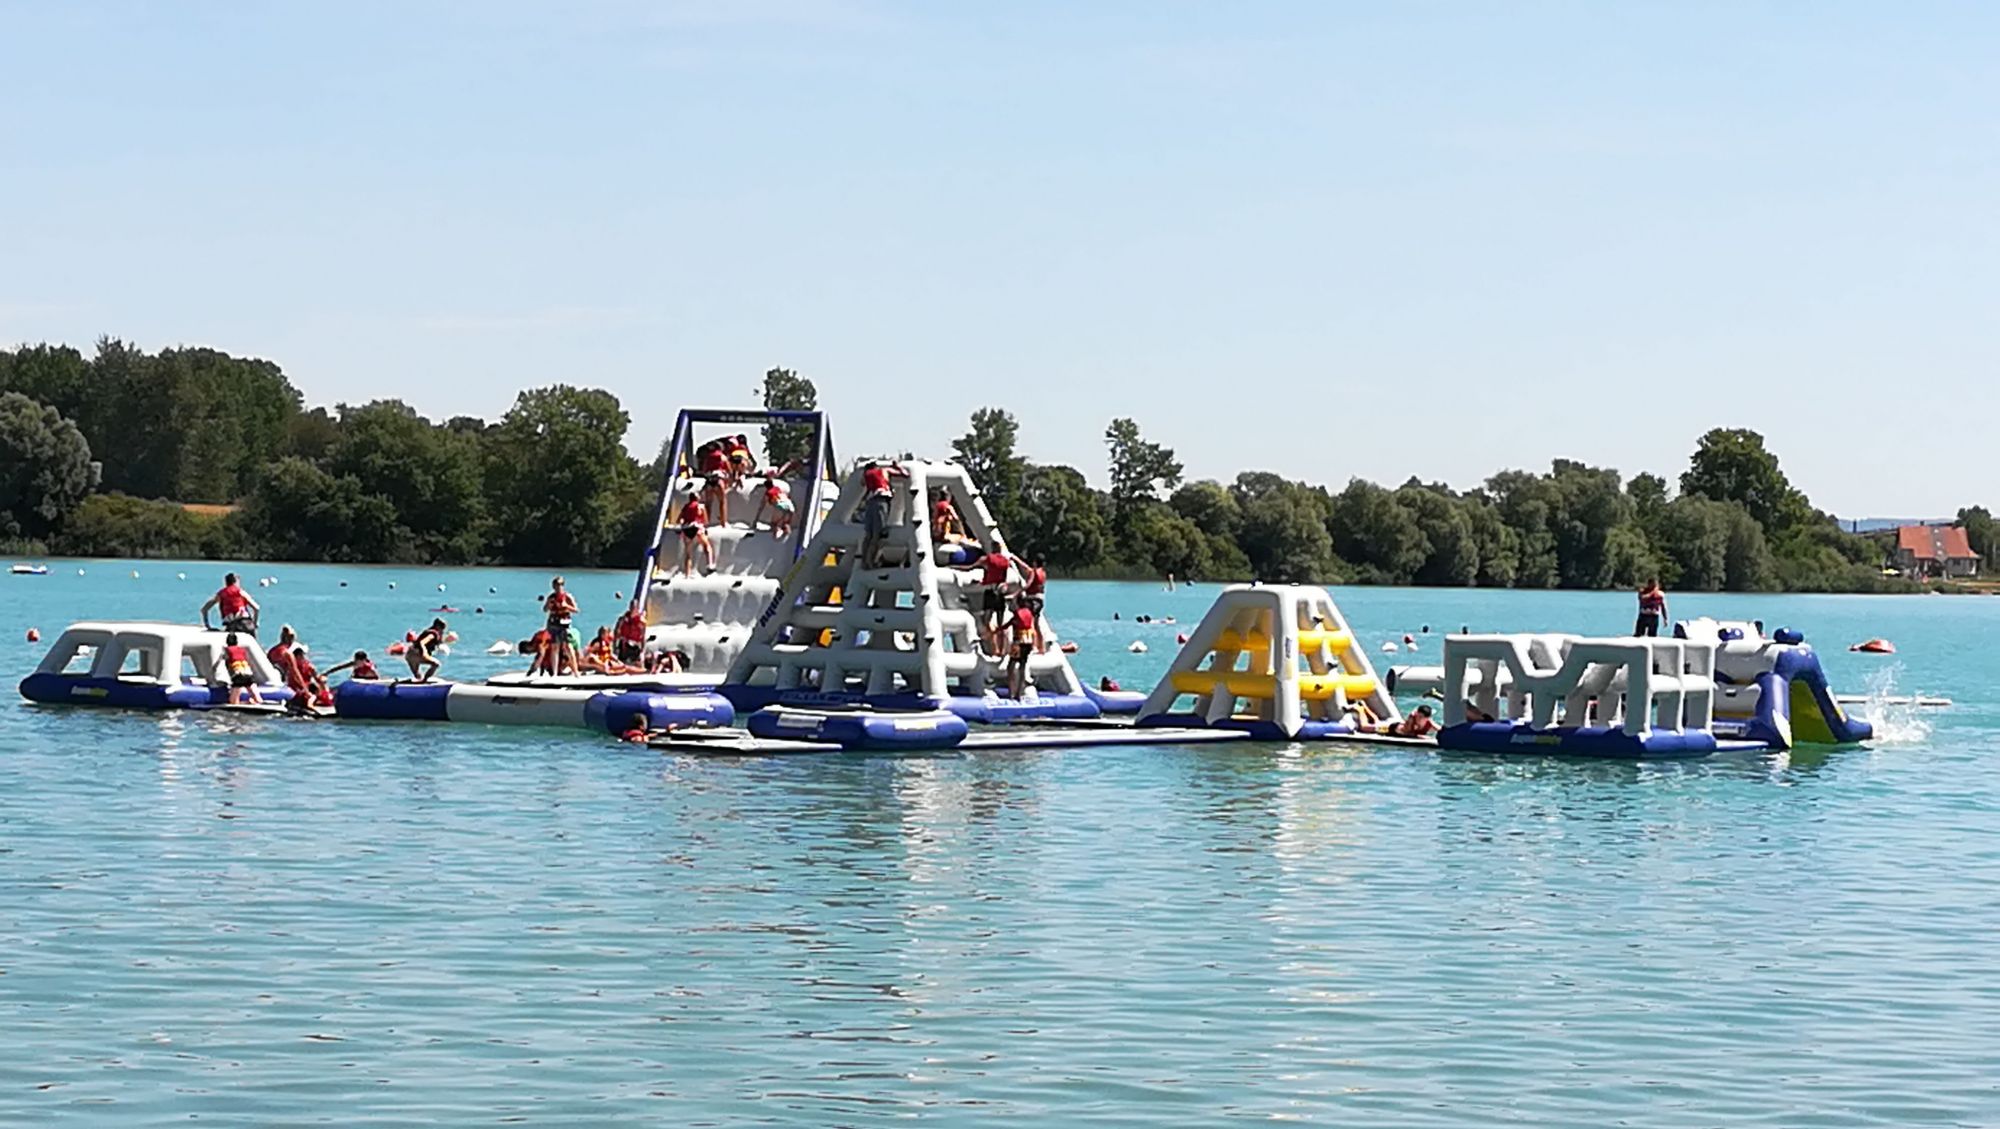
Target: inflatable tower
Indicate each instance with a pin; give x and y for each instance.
(902, 630)
(1277, 661)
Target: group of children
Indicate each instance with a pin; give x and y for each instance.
(1013, 592)
(559, 650)
(726, 465)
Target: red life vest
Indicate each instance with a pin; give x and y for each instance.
(875, 480)
(694, 513)
(993, 570)
(238, 660)
(232, 602)
(632, 628)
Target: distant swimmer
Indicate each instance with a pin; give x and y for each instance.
(239, 611)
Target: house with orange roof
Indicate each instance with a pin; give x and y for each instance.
(1931, 551)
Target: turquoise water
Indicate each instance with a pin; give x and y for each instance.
(244, 921)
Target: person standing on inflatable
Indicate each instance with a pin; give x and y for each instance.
(1652, 609)
(422, 651)
(239, 611)
(561, 608)
(242, 675)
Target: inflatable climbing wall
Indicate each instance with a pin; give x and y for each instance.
(1276, 660)
(902, 629)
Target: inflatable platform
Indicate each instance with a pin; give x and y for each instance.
(604, 711)
(1625, 698)
(146, 666)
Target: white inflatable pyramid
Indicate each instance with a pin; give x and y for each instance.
(903, 627)
(1277, 660)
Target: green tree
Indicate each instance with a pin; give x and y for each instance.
(45, 467)
(1140, 469)
(1172, 545)
(986, 451)
(556, 468)
(1981, 533)
(118, 525)
(431, 475)
(1060, 518)
(1497, 546)
(1649, 496)
(786, 390)
(1452, 557)
(298, 511)
(1370, 530)
(1284, 539)
(1589, 502)
(1732, 465)
(1529, 506)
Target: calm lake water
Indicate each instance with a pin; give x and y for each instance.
(252, 922)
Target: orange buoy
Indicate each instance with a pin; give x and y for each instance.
(34, 636)
(1067, 648)
(398, 648)
(1875, 647)
(1181, 637)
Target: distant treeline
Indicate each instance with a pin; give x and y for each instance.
(97, 454)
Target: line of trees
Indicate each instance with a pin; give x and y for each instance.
(1736, 522)
(98, 453)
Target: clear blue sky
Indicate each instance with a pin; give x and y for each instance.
(1322, 239)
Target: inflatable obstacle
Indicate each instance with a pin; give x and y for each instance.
(902, 629)
(1773, 690)
(1276, 661)
(147, 666)
(1626, 698)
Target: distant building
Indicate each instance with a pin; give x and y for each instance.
(1935, 551)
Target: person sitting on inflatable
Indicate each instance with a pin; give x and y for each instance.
(305, 684)
(600, 656)
(630, 632)
(1416, 723)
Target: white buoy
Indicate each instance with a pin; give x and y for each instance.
(79, 572)
(440, 587)
(180, 576)
(1388, 648)
(392, 584)
(1137, 647)
(500, 647)
(135, 574)
(1409, 646)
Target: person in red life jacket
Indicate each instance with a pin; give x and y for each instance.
(1652, 609)
(239, 611)
(560, 607)
(996, 571)
(630, 631)
(947, 527)
(694, 535)
(302, 679)
(778, 500)
(1021, 644)
(717, 479)
(359, 667)
(741, 463)
(422, 651)
(600, 655)
(875, 503)
(1416, 723)
(542, 645)
(638, 731)
(1034, 591)
(242, 673)
(280, 653)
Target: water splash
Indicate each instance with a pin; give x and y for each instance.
(1896, 717)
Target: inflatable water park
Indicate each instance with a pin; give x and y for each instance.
(883, 611)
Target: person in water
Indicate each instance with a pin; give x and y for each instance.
(241, 671)
(694, 535)
(1652, 609)
(630, 632)
(422, 652)
(638, 730)
(239, 611)
(560, 607)
(309, 689)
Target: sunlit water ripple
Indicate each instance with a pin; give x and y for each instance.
(246, 922)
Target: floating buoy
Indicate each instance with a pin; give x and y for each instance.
(490, 591)
(1875, 647)
(180, 576)
(79, 572)
(392, 584)
(1410, 646)
(343, 584)
(440, 587)
(1067, 647)
(263, 582)
(1137, 647)
(135, 574)
(1388, 648)
(500, 647)
(34, 636)
(1180, 637)
(451, 636)
(480, 610)
(397, 648)
(618, 595)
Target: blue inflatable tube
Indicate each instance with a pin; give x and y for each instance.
(74, 690)
(613, 711)
(391, 701)
(1044, 707)
(1115, 703)
(861, 729)
(1591, 741)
